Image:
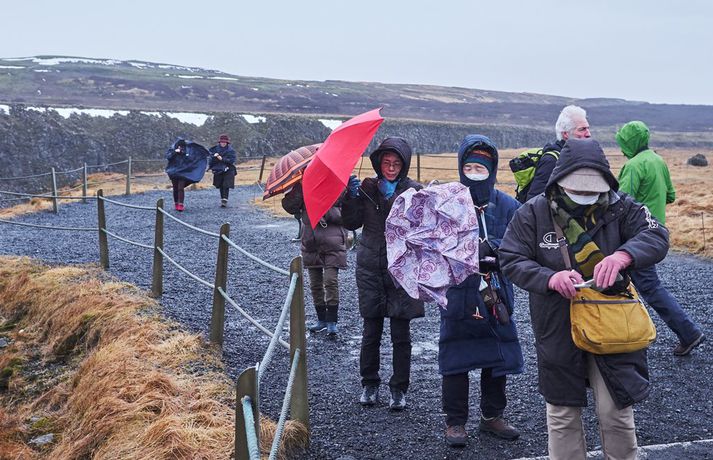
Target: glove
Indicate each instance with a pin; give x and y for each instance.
(606, 271)
(488, 258)
(353, 186)
(563, 282)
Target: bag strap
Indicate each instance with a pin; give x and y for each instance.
(562, 243)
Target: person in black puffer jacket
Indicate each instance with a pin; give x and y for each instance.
(367, 205)
(222, 164)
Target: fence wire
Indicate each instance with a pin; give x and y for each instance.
(282, 271)
(250, 434)
(114, 235)
(285, 406)
(199, 230)
(127, 205)
(184, 270)
(252, 320)
(280, 324)
(26, 177)
(74, 229)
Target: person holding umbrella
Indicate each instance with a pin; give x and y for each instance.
(186, 165)
(477, 330)
(324, 252)
(367, 205)
(222, 164)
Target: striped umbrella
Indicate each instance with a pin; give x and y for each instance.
(288, 170)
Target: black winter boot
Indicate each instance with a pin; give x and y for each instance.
(321, 323)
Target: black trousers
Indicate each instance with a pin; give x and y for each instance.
(224, 192)
(455, 396)
(370, 357)
(179, 185)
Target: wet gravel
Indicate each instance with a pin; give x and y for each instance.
(680, 407)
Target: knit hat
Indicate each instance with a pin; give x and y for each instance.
(481, 157)
(585, 180)
(224, 138)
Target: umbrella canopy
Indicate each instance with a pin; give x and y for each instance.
(328, 173)
(288, 170)
(432, 240)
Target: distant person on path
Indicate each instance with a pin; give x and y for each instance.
(222, 164)
(475, 333)
(367, 205)
(646, 178)
(324, 252)
(571, 124)
(187, 163)
(606, 233)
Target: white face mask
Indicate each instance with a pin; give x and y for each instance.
(477, 176)
(583, 200)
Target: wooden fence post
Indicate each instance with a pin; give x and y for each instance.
(418, 166)
(128, 177)
(262, 169)
(84, 183)
(103, 239)
(299, 404)
(55, 203)
(217, 318)
(247, 386)
(157, 278)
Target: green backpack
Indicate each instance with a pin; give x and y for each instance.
(524, 166)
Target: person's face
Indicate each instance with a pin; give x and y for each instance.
(391, 165)
(222, 143)
(474, 168)
(580, 130)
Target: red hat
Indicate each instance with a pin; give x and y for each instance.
(224, 138)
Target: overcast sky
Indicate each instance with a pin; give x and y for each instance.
(648, 50)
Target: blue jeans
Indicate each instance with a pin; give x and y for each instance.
(648, 284)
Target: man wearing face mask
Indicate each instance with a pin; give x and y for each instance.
(477, 330)
(606, 233)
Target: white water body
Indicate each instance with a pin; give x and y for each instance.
(331, 124)
(252, 119)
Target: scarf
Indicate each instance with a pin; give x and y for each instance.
(575, 220)
(387, 188)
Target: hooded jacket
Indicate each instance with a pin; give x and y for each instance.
(466, 343)
(325, 245)
(378, 295)
(189, 165)
(544, 168)
(645, 175)
(227, 161)
(529, 256)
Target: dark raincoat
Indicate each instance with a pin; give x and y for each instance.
(466, 343)
(529, 256)
(378, 295)
(223, 169)
(189, 165)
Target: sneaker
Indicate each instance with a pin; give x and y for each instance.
(456, 436)
(370, 396)
(332, 328)
(223, 202)
(683, 350)
(179, 207)
(317, 326)
(497, 426)
(398, 400)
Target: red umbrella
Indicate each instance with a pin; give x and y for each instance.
(328, 172)
(288, 170)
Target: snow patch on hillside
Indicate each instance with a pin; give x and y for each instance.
(252, 119)
(331, 124)
(12, 67)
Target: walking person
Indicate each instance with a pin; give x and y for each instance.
(222, 164)
(324, 252)
(605, 233)
(475, 333)
(571, 124)
(186, 165)
(646, 178)
(367, 205)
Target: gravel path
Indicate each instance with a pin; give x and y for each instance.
(680, 407)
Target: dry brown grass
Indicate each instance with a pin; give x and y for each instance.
(94, 363)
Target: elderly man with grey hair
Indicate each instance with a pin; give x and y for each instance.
(571, 124)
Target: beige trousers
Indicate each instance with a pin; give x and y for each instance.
(616, 427)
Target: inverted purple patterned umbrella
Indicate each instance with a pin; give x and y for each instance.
(432, 240)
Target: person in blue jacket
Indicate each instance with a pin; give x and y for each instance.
(477, 329)
(187, 163)
(222, 164)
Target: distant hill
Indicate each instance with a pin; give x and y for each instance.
(136, 85)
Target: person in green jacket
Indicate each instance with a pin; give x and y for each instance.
(646, 178)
